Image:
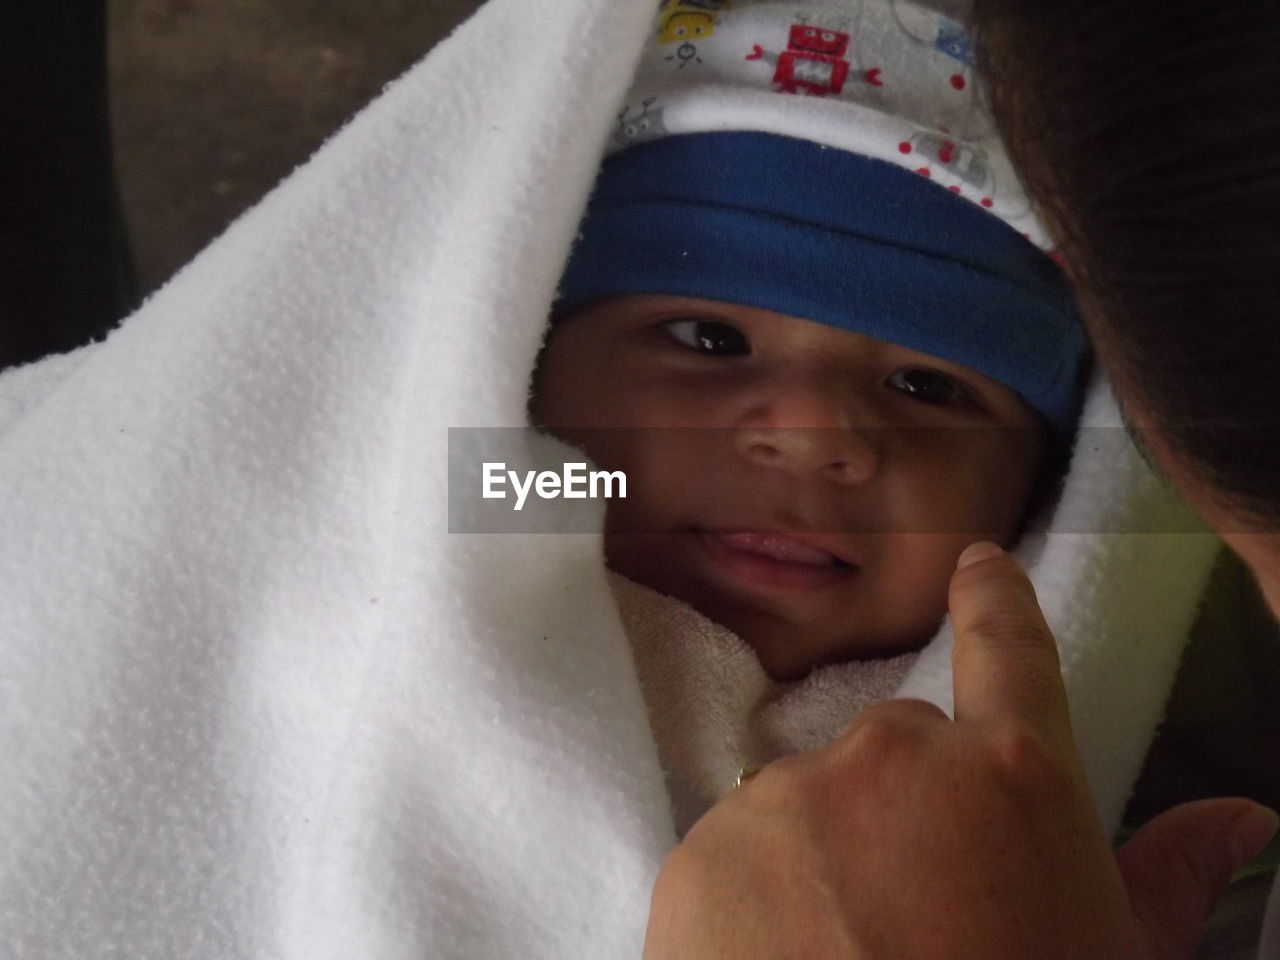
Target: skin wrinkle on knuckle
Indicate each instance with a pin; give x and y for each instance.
(889, 737)
(1007, 629)
(1024, 674)
(1024, 763)
(1184, 862)
(905, 712)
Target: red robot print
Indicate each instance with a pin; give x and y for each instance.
(963, 161)
(815, 62)
(964, 167)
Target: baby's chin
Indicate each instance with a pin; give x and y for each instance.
(793, 629)
(789, 652)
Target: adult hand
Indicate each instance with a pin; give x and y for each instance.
(913, 835)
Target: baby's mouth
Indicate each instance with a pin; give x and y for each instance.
(782, 548)
(774, 559)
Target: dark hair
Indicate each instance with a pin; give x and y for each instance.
(1149, 135)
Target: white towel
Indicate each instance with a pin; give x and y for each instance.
(713, 709)
(255, 700)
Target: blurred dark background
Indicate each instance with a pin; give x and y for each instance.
(136, 130)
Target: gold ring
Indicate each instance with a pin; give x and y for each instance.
(746, 773)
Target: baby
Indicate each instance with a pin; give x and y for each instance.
(818, 260)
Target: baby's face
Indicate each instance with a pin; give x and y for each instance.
(832, 480)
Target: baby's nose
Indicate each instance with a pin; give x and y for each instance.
(811, 429)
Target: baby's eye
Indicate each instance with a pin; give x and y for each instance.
(710, 336)
(928, 386)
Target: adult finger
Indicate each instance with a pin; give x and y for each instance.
(1005, 661)
(1178, 866)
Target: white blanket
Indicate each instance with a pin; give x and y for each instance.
(256, 701)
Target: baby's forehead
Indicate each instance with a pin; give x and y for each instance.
(844, 239)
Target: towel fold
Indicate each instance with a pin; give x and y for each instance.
(715, 711)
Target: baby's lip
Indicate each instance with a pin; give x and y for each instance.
(778, 558)
(773, 561)
(784, 547)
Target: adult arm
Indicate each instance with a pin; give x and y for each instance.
(913, 835)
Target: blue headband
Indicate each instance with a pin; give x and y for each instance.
(835, 237)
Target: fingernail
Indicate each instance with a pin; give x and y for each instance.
(982, 550)
(1250, 832)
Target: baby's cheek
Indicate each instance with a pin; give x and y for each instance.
(655, 488)
(918, 576)
(979, 493)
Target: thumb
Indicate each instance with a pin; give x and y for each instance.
(1177, 867)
